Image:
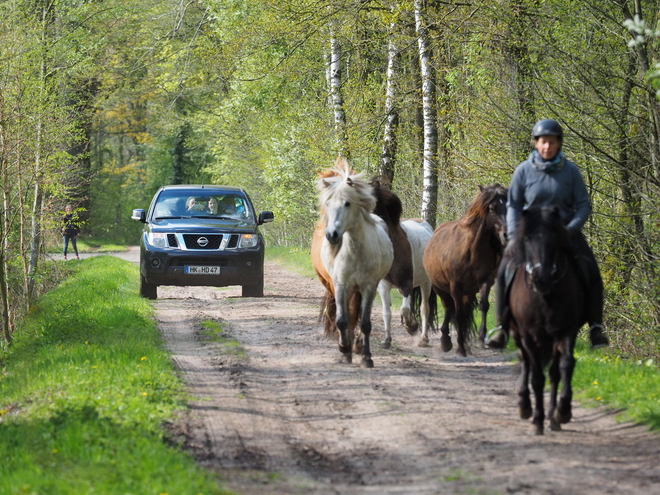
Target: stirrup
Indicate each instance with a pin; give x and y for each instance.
(490, 332)
(496, 344)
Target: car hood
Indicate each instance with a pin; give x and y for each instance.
(197, 224)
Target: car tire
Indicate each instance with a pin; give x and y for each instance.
(148, 290)
(254, 290)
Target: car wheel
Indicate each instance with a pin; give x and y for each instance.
(254, 290)
(148, 290)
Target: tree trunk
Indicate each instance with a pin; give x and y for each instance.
(388, 156)
(521, 66)
(336, 96)
(35, 229)
(430, 184)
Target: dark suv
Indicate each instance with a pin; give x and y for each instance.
(202, 235)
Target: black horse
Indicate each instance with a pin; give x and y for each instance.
(546, 300)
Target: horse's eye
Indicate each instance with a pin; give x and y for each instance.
(347, 204)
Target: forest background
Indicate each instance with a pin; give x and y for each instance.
(102, 102)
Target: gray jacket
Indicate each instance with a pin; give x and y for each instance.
(563, 187)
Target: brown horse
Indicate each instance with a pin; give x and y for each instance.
(461, 259)
(546, 301)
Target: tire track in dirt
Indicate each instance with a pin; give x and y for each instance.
(284, 417)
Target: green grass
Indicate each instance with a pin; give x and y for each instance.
(633, 387)
(85, 391)
(600, 378)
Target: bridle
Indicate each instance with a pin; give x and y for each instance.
(555, 274)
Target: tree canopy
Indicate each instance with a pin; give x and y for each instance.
(102, 102)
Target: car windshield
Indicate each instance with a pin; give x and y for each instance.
(203, 204)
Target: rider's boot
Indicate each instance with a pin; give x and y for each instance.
(598, 338)
(498, 337)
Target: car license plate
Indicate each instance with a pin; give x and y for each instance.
(202, 270)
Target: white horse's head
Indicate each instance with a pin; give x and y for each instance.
(346, 201)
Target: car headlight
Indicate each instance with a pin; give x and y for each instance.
(248, 240)
(157, 239)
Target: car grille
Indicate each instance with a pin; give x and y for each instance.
(203, 242)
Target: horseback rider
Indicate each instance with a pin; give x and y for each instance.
(547, 178)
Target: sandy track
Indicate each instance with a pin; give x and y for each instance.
(284, 417)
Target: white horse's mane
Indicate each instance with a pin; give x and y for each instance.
(346, 182)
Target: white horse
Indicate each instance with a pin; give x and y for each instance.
(356, 251)
(418, 232)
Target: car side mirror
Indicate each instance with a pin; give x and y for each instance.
(140, 215)
(265, 217)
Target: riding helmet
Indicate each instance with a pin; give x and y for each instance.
(547, 127)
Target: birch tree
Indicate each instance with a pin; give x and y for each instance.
(388, 155)
(336, 96)
(429, 104)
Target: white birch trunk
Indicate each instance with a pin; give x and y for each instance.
(388, 156)
(336, 96)
(430, 184)
(35, 228)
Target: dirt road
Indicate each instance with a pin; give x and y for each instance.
(277, 414)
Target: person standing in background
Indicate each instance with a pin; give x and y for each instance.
(70, 230)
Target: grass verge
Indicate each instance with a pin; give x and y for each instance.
(85, 391)
(600, 379)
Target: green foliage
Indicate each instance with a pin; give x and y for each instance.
(86, 390)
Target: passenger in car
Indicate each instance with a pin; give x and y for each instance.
(194, 205)
(228, 206)
(213, 206)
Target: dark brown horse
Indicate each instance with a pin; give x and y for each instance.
(461, 259)
(546, 301)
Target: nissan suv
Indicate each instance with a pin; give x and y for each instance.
(202, 235)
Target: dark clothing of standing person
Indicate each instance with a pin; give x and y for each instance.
(70, 230)
(547, 178)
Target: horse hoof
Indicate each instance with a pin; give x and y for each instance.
(461, 352)
(554, 425)
(386, 344)
(481, 343)
(346, 358)
(423, 342)
(367, 363)
(445, 344)
(525, 412)
(412, 328)
(562, 418)
(536, 430)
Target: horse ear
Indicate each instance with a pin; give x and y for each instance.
(481, 188)
(349, 181)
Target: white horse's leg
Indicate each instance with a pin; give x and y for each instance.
(384, 289)
(345, 343)
(407, 318)
(425, 311)
(365, 325)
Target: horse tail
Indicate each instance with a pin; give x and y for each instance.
(469, 304)
(416, 308)
(328, 315)
(416, 303)
(470, 322)
(434, 317)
